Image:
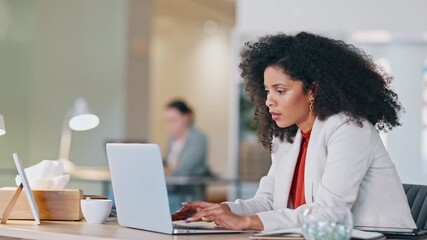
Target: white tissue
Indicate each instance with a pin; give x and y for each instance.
(47, 174)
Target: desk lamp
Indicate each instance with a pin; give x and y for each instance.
(78, 118)
(2, 128)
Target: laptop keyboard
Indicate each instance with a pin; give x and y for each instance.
(190, 226)
(196, 226)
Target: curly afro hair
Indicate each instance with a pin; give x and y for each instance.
(343, 77)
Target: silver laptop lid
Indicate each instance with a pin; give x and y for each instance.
(139, 186)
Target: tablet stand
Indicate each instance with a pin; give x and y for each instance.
(11, 204)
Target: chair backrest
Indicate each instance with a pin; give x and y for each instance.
(417, 199)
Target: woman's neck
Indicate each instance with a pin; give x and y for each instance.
(307, 125)
(182, 135)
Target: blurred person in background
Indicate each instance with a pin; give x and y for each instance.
(187, 152)
(187, 147)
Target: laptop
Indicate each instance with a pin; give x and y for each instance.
(140, 194)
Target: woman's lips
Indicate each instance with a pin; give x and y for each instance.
(275, 116)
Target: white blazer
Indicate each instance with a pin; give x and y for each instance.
(345, 164)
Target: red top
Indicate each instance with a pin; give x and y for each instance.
(297, 189)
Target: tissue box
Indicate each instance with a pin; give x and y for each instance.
(52, 204)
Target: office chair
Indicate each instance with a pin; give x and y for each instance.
(417, 199)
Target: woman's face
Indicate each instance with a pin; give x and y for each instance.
(286, 100)
(176, 122)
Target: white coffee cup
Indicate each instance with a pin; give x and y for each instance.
(96, 210)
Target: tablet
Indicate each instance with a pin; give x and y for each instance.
(391, 232)
(27, 188)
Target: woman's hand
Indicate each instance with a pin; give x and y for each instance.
(183, 213)
(189, 209)
(222, 216)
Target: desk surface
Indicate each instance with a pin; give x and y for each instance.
(81, 230)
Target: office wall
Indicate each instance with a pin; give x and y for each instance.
(79, 51)
(191, 59)
(340, 19)
(330, 15)
(405, 143)
(16, 53)
(51, 53)
(139, 27)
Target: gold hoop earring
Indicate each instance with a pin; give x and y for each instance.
(311, 106)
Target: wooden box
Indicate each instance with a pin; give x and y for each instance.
(52, 204)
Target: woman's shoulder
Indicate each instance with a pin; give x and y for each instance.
(196, 134)
(342, 119)
(346, 123)
(337, 119)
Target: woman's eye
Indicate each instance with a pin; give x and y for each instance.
(280, 91)
(266, 91)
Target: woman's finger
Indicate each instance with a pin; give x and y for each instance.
(182, 215)
(207, 212)
(198, 204)
(183, 209)
(208, 219)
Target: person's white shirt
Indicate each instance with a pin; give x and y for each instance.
(345, 164)
(176, 149)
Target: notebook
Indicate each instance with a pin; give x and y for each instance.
(296, 234)
(140, 194)
(397, 232)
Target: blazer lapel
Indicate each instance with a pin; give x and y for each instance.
(310, 161)
(285, 174)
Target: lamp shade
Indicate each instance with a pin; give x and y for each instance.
(82, 118)
(2, 128)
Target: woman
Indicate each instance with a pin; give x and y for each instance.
(187, 146)
(319, 104)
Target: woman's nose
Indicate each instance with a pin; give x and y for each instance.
(268, 100)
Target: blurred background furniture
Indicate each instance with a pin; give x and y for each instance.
(2, 128)
(417, 199)
(78, 118)
(102, 176)
(254, 161)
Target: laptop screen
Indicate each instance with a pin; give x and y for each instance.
(139, 186)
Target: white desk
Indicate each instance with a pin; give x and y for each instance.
(55, 230)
